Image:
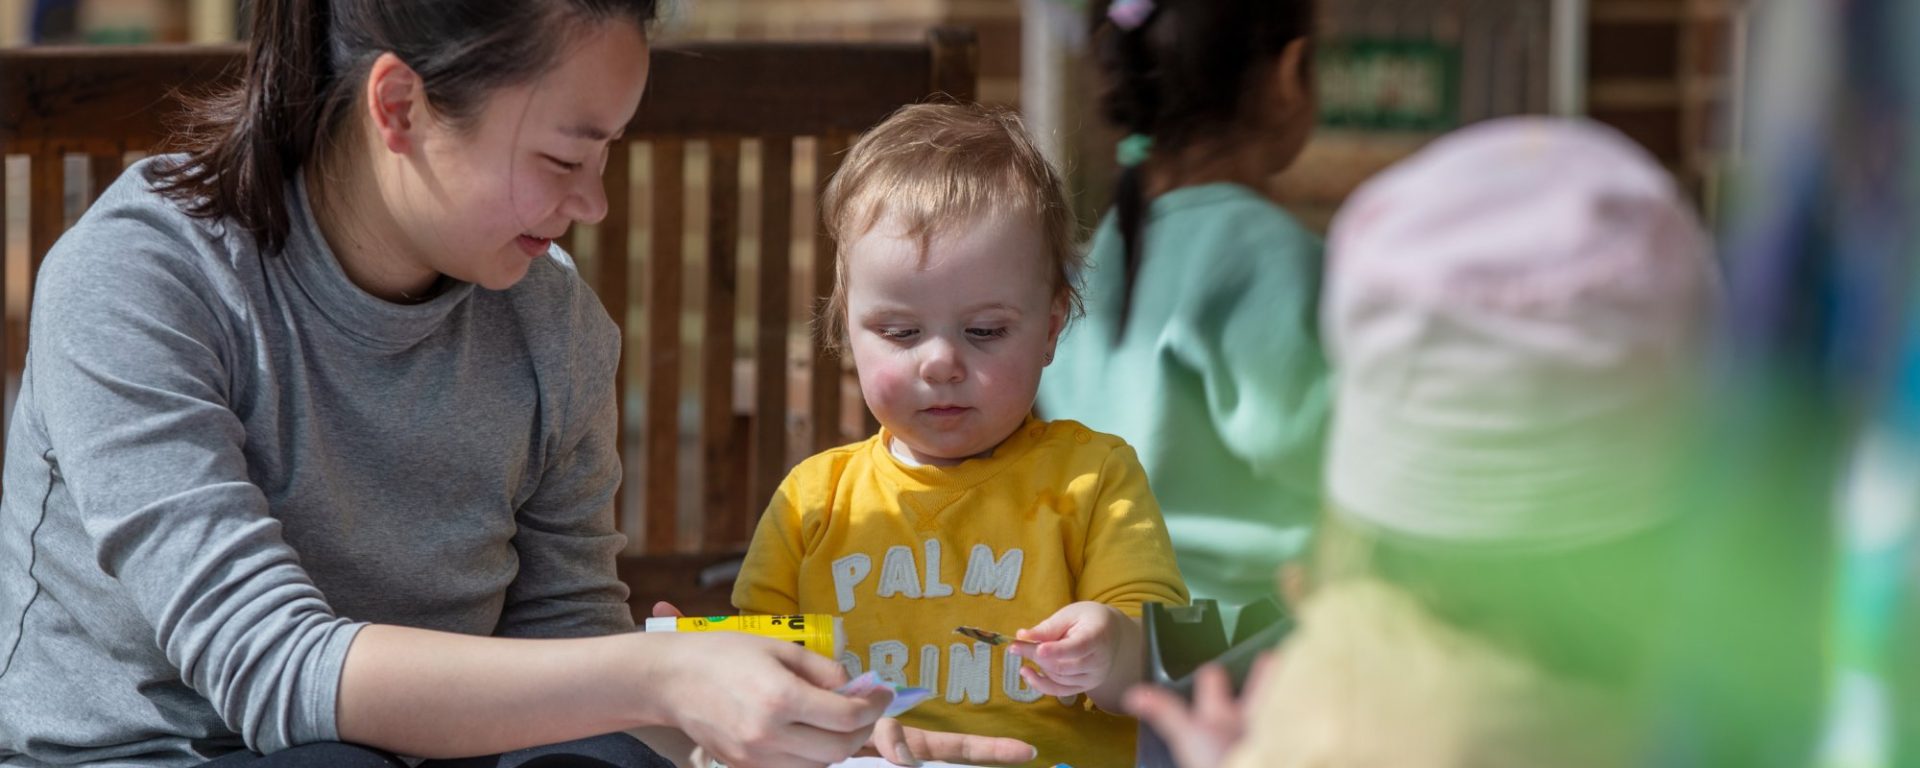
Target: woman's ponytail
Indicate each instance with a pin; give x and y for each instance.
(244, 146)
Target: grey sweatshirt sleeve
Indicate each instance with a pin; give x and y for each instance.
(133, 337)
(568, 584)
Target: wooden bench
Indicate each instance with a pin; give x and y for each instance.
(714, 189)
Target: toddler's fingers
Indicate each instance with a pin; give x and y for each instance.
(1213, 696)
(1045, 684)
(1160, 708)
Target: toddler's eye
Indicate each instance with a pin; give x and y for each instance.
(986, 333)
(899, 334)
(563, 165)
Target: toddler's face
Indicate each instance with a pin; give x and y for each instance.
(950, 343)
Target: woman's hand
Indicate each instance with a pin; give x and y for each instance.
(760, 703)
(901, 745)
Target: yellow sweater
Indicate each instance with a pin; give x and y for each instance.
(1058, 514)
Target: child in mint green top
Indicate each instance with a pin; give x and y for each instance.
(1200, 346)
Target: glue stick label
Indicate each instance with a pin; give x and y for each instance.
(814, 631)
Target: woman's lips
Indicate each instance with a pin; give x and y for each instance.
(535, 247)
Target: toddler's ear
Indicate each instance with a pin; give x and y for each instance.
(1057, 322)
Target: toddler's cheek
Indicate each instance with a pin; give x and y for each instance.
(887, 389)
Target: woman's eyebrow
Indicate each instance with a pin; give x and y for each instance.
(589, 132)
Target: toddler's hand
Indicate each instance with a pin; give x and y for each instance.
(1074, 649)
(1200, 735)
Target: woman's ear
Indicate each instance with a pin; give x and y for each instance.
(395, 95)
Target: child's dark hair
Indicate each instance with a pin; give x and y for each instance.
(1181, 74)
(307, 61)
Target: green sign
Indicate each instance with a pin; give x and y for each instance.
(1388, 84)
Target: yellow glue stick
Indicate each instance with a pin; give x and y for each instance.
(817, 632)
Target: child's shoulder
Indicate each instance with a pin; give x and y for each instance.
(837, 458)
(1228, 238)
(1227, 210)
(833, 463)
(1072, 438)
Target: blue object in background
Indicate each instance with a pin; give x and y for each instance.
(54, 21)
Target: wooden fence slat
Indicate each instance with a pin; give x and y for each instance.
(7, 342)
(103, 168)
(724, 492)
(46, 218)
(954, 63)
(770, 341)
(825, 409)
(610, 280)
(663, 348)
(48, 200)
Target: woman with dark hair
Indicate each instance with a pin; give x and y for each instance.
(313, 458)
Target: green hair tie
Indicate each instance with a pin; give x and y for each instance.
(1133, 150)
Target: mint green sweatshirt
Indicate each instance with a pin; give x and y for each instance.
(1218, 382)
